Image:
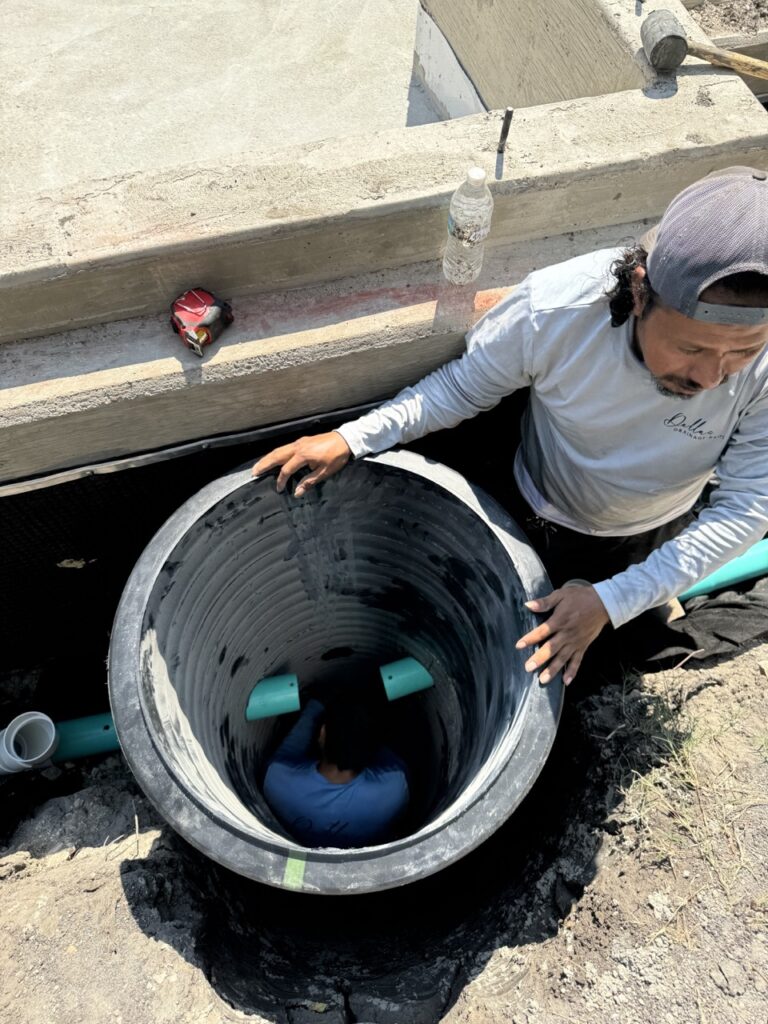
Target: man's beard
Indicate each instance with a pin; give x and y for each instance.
(690, 386)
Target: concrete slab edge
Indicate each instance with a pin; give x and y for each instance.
(127, 247)
(100, 393)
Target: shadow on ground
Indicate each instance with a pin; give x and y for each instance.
(403, 956)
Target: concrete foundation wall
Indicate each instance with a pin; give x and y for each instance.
(529, 52)
(104, 392)
(330, 252)
(120, 248)
(449, 88)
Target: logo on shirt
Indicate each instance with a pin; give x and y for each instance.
(695, 429)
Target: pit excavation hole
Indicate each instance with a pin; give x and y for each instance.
(396, 955)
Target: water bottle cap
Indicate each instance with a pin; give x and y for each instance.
(476, 176)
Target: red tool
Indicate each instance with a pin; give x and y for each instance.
(198, 318)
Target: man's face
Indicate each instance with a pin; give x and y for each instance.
(687, 356)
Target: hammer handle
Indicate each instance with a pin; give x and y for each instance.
(729, 59)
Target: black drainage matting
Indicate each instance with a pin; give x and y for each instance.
(394, 557)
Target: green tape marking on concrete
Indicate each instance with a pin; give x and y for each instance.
(293, 876)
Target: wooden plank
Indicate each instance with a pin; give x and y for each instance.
(755, 45)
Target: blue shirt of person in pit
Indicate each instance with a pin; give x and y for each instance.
(331, 782)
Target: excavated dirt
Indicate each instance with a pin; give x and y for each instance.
(631, 888)
(732, 17)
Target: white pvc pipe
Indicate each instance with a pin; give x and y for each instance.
(29, 740)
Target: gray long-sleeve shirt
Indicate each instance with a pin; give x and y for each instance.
(603, 451)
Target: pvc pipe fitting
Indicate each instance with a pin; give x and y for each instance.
(29, 740)
(404, 677)
(277, 695)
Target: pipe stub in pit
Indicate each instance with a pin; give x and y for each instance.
(395, 557)
(27, 741)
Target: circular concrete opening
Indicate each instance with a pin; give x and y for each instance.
(394, 557)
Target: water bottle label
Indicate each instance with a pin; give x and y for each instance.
(469, 234)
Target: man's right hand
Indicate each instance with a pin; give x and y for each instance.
(325, 454)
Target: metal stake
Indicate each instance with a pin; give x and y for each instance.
(505, 129)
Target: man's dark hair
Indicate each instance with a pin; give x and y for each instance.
(621, 297)
(352, 734)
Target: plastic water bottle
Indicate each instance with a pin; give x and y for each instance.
(469, 221)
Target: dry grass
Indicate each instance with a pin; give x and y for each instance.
(689, 807)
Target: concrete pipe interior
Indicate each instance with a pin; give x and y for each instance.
(394, 557)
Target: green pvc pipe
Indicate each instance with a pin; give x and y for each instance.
(81, 737)
(752, 563)
(276, 695)
(403, 677)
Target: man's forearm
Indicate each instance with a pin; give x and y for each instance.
(717, 536)
(436, 402)
(297, 745)
(495, 364)
(492, 367)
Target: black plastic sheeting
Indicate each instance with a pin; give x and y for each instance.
(67, 550)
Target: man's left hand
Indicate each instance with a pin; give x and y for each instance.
(577, 617)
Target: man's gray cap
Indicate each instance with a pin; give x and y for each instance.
(716, 227)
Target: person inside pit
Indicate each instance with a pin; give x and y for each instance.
(647, 373)
(332, 782)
